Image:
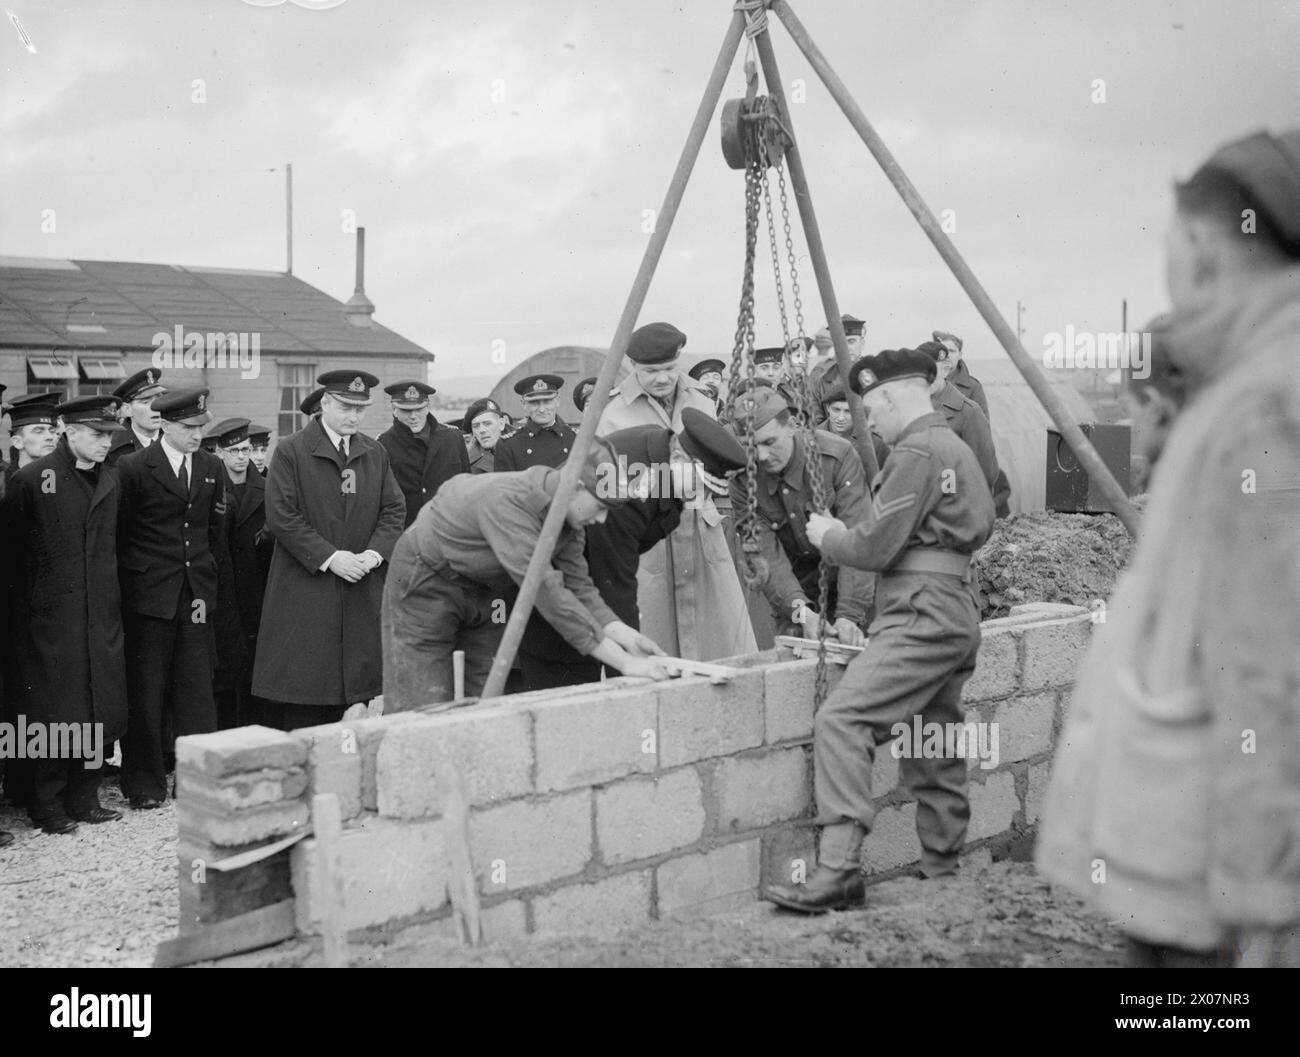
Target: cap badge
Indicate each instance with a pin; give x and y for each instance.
(865, 377)
(150, 378)
(539, 385)
(412, 393)
(201, 401)
(357, 385)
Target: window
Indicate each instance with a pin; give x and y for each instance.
(296, 381)
(100, 375)
(52, 374)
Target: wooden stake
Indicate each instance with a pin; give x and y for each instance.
(455, 826)
(458, 674)
(327, 822)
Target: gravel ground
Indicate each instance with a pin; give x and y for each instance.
(103, 896)
(999, 914)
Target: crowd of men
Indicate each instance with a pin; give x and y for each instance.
(162, 578)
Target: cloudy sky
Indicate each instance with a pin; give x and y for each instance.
(502, 154)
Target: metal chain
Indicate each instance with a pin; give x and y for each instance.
(742, 353)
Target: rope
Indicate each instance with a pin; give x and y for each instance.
(755, 12)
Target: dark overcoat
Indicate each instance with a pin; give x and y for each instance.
(320, 642)
(250, 550)
(421, 462)
(59, 538)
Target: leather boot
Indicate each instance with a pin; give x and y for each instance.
(826, 889)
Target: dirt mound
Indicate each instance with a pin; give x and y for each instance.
(1050, 557)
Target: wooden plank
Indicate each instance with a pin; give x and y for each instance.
(455, 825)
(836, 652)
(247, 858)
(327, 822)
(247, 932)
(717, 673)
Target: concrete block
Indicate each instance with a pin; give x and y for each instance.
(609, 905)
(334, 763)
(756, 791)
(997, 668)
(238, 792)
(993, 804)
(227, 752)
(1053, 650)
(788, 700)
(707, 883)
(230, 829)
(370, 733)
(698, 720)
(391, 870)
(1024, 726)
(641, 817)
(492, 747)
(892, 841)
(522, 844)
(505, 921)
(592, 738)
(789, 854)
(1040, 775)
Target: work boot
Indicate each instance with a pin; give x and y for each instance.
(5, 838)
(827, 889)
(96, 814)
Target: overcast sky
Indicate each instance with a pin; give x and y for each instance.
(501, 155)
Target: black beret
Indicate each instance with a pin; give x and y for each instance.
(352, 387)
(889, 366)
(229, 432)
(141, 385)
(934, 350)
(99, 412)
(189, 407)
(477, 408)
(706, 366)
(311, 402)
(410, 395)
(655, 343)
(755, 410)
(34, 409)
(705, 439)
(834, 396)
(539, 386)
(582, 393)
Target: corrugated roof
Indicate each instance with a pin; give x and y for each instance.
(40, 298)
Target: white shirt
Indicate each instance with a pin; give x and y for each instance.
(336, 437)
(176, 458)
(144, 438)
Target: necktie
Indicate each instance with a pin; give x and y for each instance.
(343, 449)
(185, 475)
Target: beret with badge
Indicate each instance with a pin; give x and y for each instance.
(479, 407)
(582, 393)
(655, 343)
(891, 365)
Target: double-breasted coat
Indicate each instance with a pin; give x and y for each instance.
(320, 643)
(59, 538)
(534, 445)
(688, 590)
(422, 461)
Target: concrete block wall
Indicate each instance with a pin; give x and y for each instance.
(597, 807)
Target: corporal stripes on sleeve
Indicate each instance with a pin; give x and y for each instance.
(881, 510)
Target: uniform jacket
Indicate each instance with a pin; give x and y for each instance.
(972, 425)
(688, 589)
(614, 548)
(166, 537)
(58, 535)
(126, 443)
(969, 386)
(916, 502)
(1152, 775)
(480, 460)
(534, 445)
(422, 462)
(242, 581)
(784, 502)
(320, 642)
